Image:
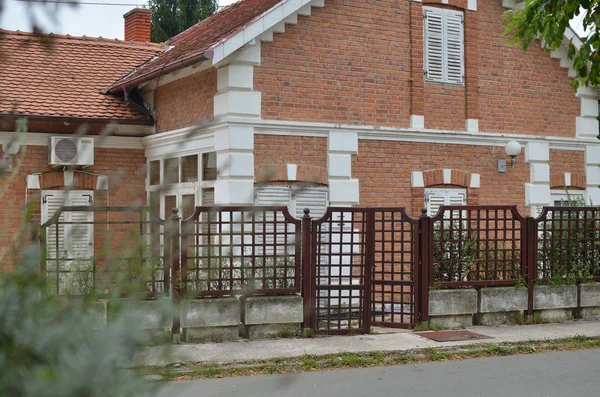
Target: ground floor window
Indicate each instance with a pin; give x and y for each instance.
(296, 198)
(567, 198)
(436, 197)
(72, 237)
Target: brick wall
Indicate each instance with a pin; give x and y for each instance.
(388, 183)
(335, 67)
(521, 92)
(124, 167)
(273, 152)
(570, 161)
(186, 102)
(351, 62)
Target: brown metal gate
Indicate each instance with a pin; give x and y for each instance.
(363, 269)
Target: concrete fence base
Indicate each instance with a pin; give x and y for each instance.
(461, 308)
(152, 317)
(589, 302)
(554, 303)
(271, 316)
(210, 319)
(452, 308)
(501, 305)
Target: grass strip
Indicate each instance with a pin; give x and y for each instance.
(363, 360)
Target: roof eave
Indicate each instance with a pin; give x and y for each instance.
(76, 119)
(168, 68)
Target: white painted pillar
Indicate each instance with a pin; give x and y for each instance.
(587, 124)
(592, 174)
(343, 189)
(234, 145)
(537, 192)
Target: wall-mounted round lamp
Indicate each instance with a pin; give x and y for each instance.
(11, 146)
(9, 149)
(513, 149)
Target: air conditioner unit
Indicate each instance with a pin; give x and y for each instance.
(71, 151)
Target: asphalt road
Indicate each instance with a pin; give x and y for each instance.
(557, 374)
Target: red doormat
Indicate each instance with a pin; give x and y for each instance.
(452, 336)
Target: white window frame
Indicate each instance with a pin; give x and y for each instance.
(563, 195)
(448, 18)
(446, 193)
(66, 196)
(180, 188)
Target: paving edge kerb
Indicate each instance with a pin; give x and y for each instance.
(245, 350)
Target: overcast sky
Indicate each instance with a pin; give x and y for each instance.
(89, 20)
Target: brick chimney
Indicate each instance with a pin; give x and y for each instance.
(137, 25)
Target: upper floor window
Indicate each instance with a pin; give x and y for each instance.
(444, 41)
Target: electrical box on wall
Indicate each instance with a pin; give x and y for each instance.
(71, 151)
(502, 166)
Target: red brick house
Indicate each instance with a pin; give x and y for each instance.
(371, 103)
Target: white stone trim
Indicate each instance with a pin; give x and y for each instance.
(475, 181)
(417, 121)
(447, 176)
(103, 142)
(540, 173)
(472, 125)
(536, 152)
(33, 181)
(472, 5)
(592, 174)
(292, 172)
(235, 165)
(339, 165)
(416, 179)
(343, 141)
(181, 141)
(235, 84)
(537, 192)
(295, 128)
(343, 192)
(567, 179)
(102, 182)
(68, 178)
(343, 189)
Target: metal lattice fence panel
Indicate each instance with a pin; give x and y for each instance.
(394, 268)
(478, 245)
(99, 249)
(240, 250)
(568, 244)
(341, 271)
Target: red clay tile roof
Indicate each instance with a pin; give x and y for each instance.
(202, 37)
(65, 79)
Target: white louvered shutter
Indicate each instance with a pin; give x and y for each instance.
(435, 198)
(434, 45)
(454, 47)
(51, 202)
(79, 233)
(272, 196)
(443, 35)
(315, 199)
(456, 197)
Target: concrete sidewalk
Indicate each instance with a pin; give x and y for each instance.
(244, 350)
